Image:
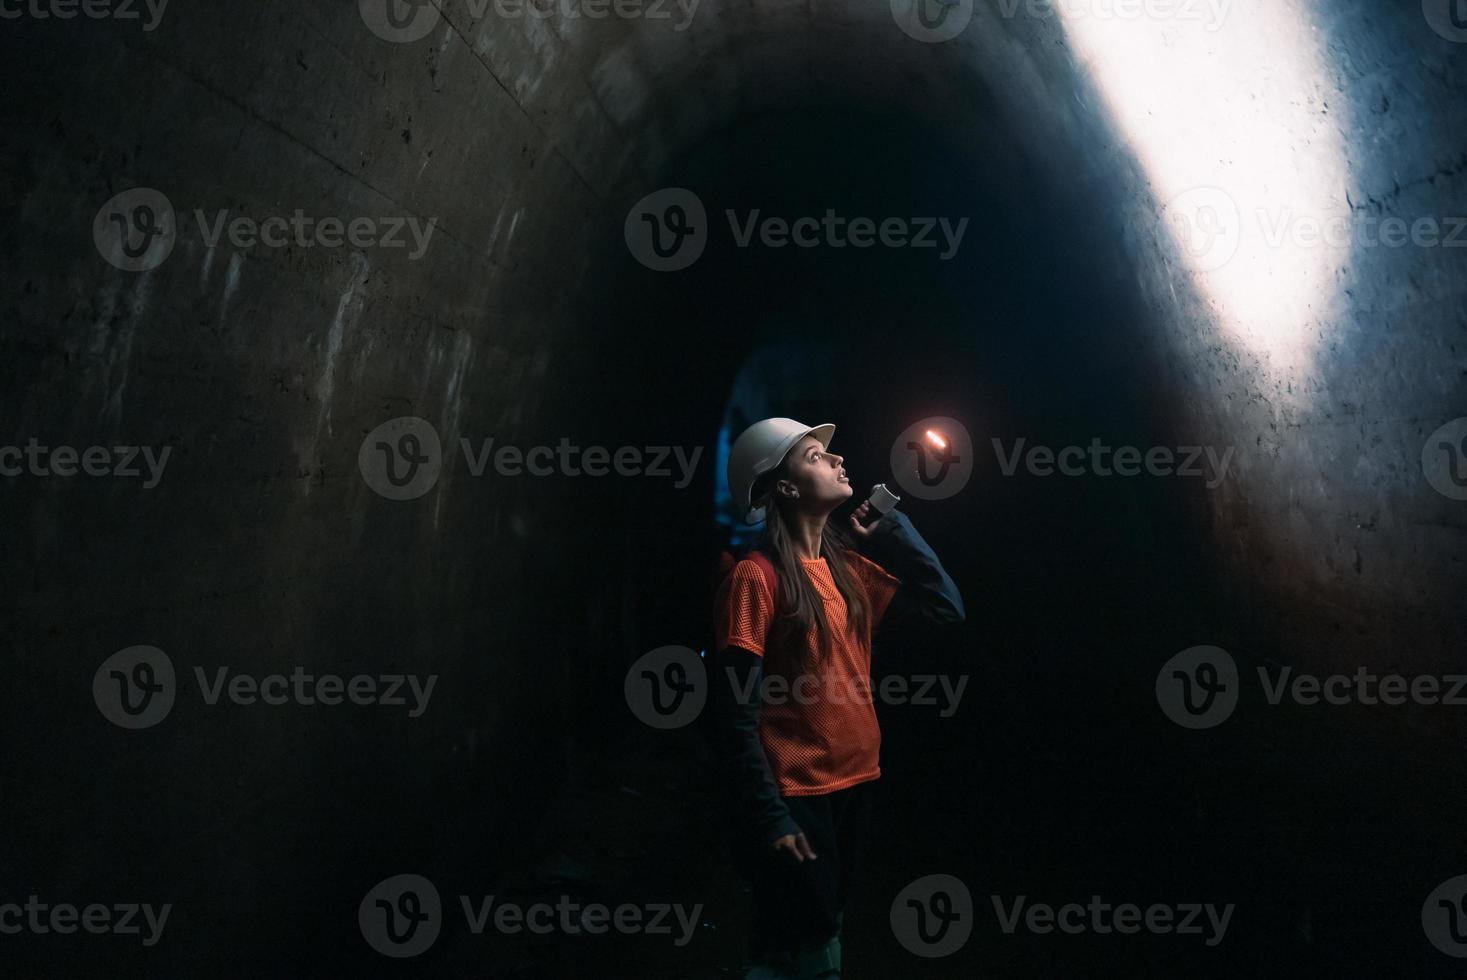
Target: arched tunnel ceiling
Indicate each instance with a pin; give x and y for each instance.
(1110, 104)
(528, 139)
(1283, 103)
(649, 88)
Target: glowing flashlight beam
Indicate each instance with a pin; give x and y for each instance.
(1226, 113)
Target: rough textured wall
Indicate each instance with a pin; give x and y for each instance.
(1334, 547)
(263, 368)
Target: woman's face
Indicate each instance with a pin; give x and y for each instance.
(818, 475)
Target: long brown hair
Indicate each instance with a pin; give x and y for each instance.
(798, 605)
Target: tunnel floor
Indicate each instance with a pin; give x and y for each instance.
(1313, 852)
(1312, 874)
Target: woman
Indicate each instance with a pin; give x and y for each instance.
(801, 756)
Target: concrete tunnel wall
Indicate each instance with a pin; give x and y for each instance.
(528, 140)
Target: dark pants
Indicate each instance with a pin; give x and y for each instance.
(797, 904)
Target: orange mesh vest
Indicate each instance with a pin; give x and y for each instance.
(818, 730)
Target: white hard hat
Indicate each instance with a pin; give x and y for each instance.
(761, 448)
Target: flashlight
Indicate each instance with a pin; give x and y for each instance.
(882, 501)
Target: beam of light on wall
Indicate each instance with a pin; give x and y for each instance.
(1224, 105)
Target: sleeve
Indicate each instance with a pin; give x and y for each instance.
(744, 610)
(761, 811)
(926, 588)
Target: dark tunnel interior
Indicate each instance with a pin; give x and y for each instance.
(1043, 762)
